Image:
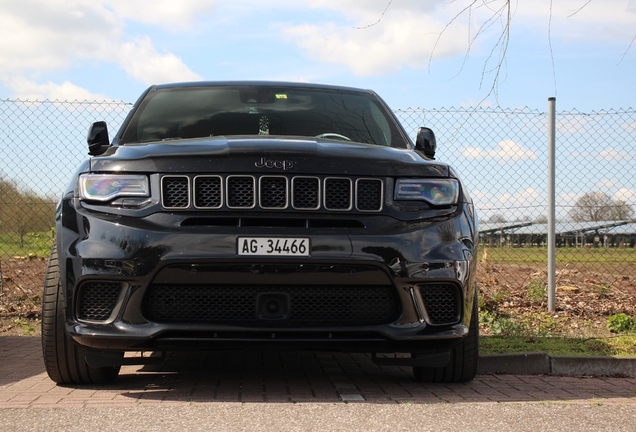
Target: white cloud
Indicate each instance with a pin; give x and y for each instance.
(629, 127)
(410, 30)
(525, 205)
(29, 90)
(626, 195)
(367, 37)
(165, 13)
(55, 34)
(568, 200)
(406, 35)
(506, 150)
(609, 154)
(48, 35)
(569, 125)
(605, 184)
(141, 60)
(527, 198)
(579, 19)
(478, 195)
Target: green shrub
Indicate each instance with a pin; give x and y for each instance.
(536, 290)
(621, 323)
(41, 243)
(506, 327)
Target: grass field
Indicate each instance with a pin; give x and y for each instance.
(623, 345)
(617, 261)
(34, 244)
(571, 255)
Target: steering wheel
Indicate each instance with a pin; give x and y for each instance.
(333, 135)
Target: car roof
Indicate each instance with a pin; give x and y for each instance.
(277, 84)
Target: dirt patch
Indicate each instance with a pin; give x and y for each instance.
(21, 295)
(22, 276)
(16, 326)
(516, 296)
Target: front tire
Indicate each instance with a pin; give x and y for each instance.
(462, 366)
(64, 360)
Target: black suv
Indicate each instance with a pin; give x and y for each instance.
(261, 216)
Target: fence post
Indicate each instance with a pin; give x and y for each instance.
(551, 205)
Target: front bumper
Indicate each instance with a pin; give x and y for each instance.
(136, 255)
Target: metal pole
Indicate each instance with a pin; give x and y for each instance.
(551, 205)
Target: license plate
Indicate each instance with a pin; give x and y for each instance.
(273, 246)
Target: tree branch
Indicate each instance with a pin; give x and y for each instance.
(379, 19)
(579, 9)
(627, 50)
(503, 15)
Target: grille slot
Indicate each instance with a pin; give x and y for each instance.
(97, 300)
(175, 192)
(241, 192)
(442, 303)
(208, 192)
(338, 194)
(369, 195)
(306, 193)
(315, 306)
(273, 192)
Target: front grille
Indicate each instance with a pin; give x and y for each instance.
(271, 193)
(97, 300)
(442, 303)
(312, 306)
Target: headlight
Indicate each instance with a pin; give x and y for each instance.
(434, 191)
(106, 187)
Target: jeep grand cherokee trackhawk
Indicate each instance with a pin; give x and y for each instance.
(261, 216)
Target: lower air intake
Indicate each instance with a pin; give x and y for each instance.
(239, 305)
(442, 303)
(97, 300)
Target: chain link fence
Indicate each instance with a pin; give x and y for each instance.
(41, 145)
(500, 154)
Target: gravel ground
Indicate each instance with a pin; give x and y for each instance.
(329, 417)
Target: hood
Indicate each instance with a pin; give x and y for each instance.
(266, 155)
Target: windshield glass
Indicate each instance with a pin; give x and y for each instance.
(196, 112)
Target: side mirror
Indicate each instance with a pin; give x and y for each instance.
(97, 138)
(425, 142)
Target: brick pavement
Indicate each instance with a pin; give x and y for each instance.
(206, 377)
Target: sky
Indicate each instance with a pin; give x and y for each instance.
(429, 54)
(414, 53)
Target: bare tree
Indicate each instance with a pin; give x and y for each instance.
(599, 206)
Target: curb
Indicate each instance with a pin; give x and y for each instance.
(540, 363)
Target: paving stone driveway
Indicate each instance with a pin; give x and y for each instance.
(206, 377)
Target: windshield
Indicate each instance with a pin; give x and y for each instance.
(196, 112)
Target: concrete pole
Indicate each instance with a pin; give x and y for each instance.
(551, 205)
